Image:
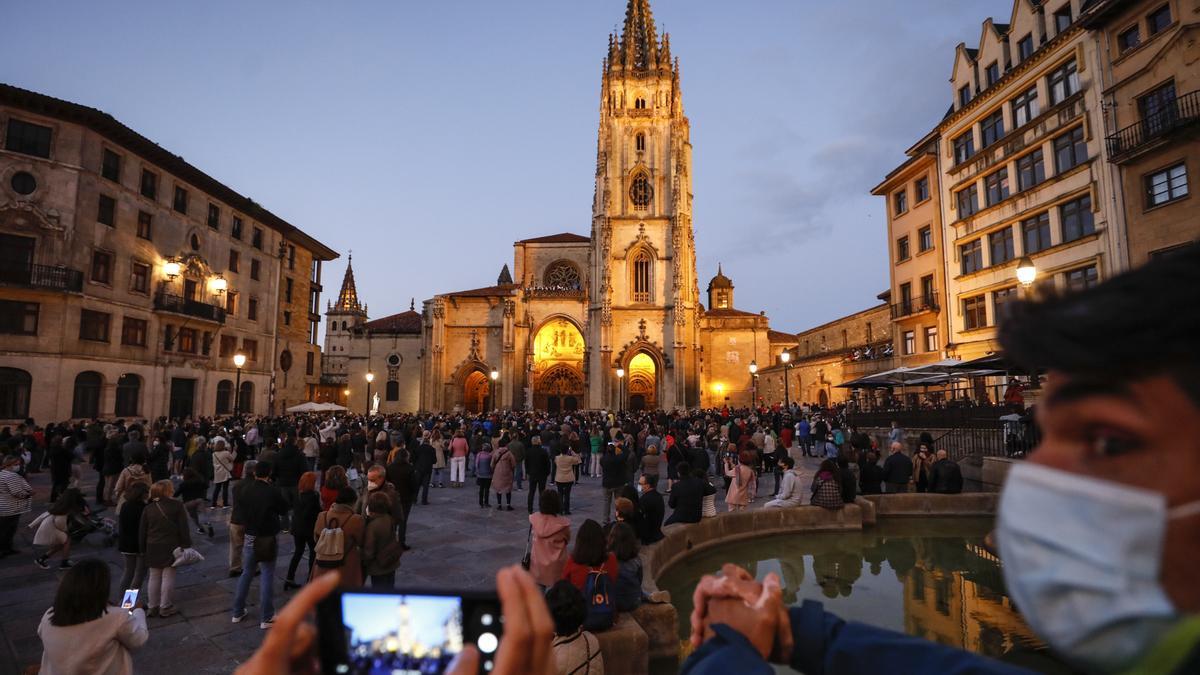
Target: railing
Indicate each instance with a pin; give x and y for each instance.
(964, 417)
(42, 276)
(555, 291)
(924, 303)
(1182, 111)
(178, 304)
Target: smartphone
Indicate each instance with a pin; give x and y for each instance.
(419, 631)
(129, 599)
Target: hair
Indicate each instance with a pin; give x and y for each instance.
(308, 481)
(651, 479)
(683, 468)
(263, 469)
(550, 503)
(628, 492)
(346, 495)
(624, 507)
(136, 492)
(82, 594)
(70, 501)
(378, 502)
(335, 477)
(828, 465)
(589, 544)
(162, 489)
(1146, 307)
(788, 461)
(567, 607)
(138, 457)
(623, 542)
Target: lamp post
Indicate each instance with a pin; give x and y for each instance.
(620, 389)
(1026, 272)
(495, 375)
(346, 392)
(753, 383)
(370, 379)
(239, 360)
(785, 357)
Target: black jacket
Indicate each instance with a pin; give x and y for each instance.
(687, 500)
(289, 465)
(424, 459)
(129, 524)
(304, 516)
(613, 468)
(260, 505)
(945, 477)
(870, 478)
(401, 475)
(537, 463)
(698, 459)
(897, 468)
(653, 512)
(849, 486)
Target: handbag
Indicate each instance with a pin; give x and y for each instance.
(266, 548)
(186, 556)
(527, 560)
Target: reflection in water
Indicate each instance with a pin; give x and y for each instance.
(947, 587)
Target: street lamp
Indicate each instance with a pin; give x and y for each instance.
(753, 383)
(1026, 271)
(620, 389)
(495, 374)
(370, 379)
(346, 392)
(239, 360)
(172, 268)
(787, 396)
(219, 284)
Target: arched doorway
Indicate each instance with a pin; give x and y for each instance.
(643, 382)
(246, 398)
(475, 392)
(15, 387)
(86, 402)
(558, 380)
(823, 397)
(129, 395)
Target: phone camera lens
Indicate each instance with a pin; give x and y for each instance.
(486, 619)
(487, 643)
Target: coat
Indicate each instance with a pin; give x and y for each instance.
(164, 528)
(565, 468)
(134, 473)
(945, 477)
(353, 530)
(548, 552)
(650, 464)
(222, 466)
(503, 468)
(378, 533)
(741, 486)
(578, 654)
(50, 530)
(100, 646)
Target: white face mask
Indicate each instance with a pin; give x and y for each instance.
(1082, 558)
(640, 490)
(374, 485)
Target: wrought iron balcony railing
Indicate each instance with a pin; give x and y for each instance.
(924, 303)
(1181, 112)
(169, 302)
(42, 276)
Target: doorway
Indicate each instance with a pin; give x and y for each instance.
(643, 382)
(183, 397)
(475, 392)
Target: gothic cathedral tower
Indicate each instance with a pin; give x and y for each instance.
(643, 303)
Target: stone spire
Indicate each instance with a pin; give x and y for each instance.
(639, 39)
(348, 297)
(505, 276)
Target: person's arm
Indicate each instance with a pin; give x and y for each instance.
(133, 632)
(727, 651)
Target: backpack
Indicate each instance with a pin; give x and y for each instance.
(331, 545)
(600, 610)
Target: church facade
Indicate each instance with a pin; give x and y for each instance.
(613, 319)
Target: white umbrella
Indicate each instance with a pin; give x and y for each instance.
(307, 406)
(331, 407)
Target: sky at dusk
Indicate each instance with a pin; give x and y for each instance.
(427, 137)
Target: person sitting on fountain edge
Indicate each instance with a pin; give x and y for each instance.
(1107, 580)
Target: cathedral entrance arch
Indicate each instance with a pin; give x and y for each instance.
(475, 392)
(643, 382)
(558, 354)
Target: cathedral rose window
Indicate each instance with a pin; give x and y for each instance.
(641, 193)
(563, 274)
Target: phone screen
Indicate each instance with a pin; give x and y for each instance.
(129, 599)
(398, 633)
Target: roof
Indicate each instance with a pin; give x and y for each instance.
(502, 289)
(718, 313)
(560, 238)
(409, 322)
(720, 281)
(108, 126)
(780, 336)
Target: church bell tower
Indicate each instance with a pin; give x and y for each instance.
(643, 302)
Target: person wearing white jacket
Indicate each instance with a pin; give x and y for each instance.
(82, 633)
(222, 461)
(789, 488)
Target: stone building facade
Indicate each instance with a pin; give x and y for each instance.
(128, 277)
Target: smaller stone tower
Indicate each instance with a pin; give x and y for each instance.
(345, 316)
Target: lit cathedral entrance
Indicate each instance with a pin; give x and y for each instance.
(558, 381)
(642, 383)
(475, 392)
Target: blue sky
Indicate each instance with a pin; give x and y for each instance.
(428, 136)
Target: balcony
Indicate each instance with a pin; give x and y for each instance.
(917, 305)
(1131, 141)
(177, 304)
(42, 277)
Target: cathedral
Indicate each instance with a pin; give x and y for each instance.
(613, 319)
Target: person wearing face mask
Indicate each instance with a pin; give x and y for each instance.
(650, 502)
(1098, 553)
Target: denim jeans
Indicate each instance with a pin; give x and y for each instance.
(519, 476)
(266, 584)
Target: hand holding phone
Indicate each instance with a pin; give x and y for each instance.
(129, 600)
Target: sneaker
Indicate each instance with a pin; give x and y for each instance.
(237, 618)
(267, 623)
(65, 565)
(168, 610)
(42, 563)
(152, 612)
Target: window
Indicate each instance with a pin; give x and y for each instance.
(256, 239)
(974, 312)
(231, 303)
(106, 211)
(93, 326)
(149, 186)
(992, 73)
(27, 138)
(992, 128)
(187, 340)
(1129, 38)
(1062, 19)
(1001, 300)
(639, 103)
(252, 310)
(641, 193)
(972, 256)
(640, 142)
(1158, 20)
(18, 318)
(900, 202)
(235, 260)
(964, 95)
(224, 397)
(214, 216)
(927, 291)
(236, 230)
(287, 318)
(291, 257)
(23, 183)
(1063, 82)
(246, 398)
(1079, 279)
(964, 147)
(996, 186)
(1031, 170)
(15, 386)
(921, 187)
(643, 272)
(1025, 107)
(255, 269)
(902, 250)
(1035, 232)
(1000, 244)
(181, 200)
(129, 389)
(1025, 48)
(1159, 110)
(250, 349)
(1076, 219)
(102, 265)
(310, 363)
(1166, 185)
(86, 401)
(288, 289)
(145, 225)
(228, 345)
(931, 339)
(133, 332)
(139, 277)
(925, 238)
(110, 165)
(968, 201)
(910, 342)
(393, 390)
(1070, 150)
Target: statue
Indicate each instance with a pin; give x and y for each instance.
(375, 404)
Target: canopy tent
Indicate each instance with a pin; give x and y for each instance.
(332, 407)
(307, 406)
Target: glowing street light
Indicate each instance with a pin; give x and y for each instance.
(239, 360)
(785, 357)
(1026, 271)
(495, 375)
(219, 284)
(620, 389)
(172, 268)
(370, 379)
